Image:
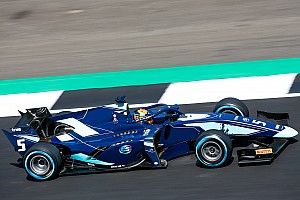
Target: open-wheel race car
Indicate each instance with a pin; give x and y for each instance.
(108, 138)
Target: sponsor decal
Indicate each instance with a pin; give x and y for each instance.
(118, 143)
(146, 132)
(277, 126)
(125, 149)
(150, 150)
(246, 119)
(16, 129)
(117, 166)
(263, 151)
(115, 120)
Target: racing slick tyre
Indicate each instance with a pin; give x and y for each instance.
(213, 148)
(232, 106)
(42, 161)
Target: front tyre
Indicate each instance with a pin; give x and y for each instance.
(213, 148)
(42, 161)
(232, 106)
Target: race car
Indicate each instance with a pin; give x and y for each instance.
(112, 138)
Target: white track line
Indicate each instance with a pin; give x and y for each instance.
(263, 87)
(10, 104)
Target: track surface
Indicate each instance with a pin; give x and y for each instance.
(181, 180)
(41, 38)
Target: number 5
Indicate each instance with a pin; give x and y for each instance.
(21, 144)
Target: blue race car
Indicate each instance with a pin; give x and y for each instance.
(116, 138)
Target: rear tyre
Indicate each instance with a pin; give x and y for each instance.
(42, 161)
(232, 106)
(213, 148)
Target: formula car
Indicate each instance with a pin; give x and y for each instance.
(112, 138)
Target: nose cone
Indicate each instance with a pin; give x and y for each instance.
(287, 132)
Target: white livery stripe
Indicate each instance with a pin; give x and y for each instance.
(237, 130)
(64, 137)
(206, 126)
(28, 137)
(231, 130)
(149, 144)
(191, 116)
(287, 132)
(79, 128)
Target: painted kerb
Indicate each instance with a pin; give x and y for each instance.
(151, 76)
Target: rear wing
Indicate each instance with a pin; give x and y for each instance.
(36, 118)
(29, 129)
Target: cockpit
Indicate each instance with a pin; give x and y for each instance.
(153, 114)
(156, 114)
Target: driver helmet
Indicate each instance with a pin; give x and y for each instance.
(140, 114)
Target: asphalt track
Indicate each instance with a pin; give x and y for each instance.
(42, 38)
(181, 180)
